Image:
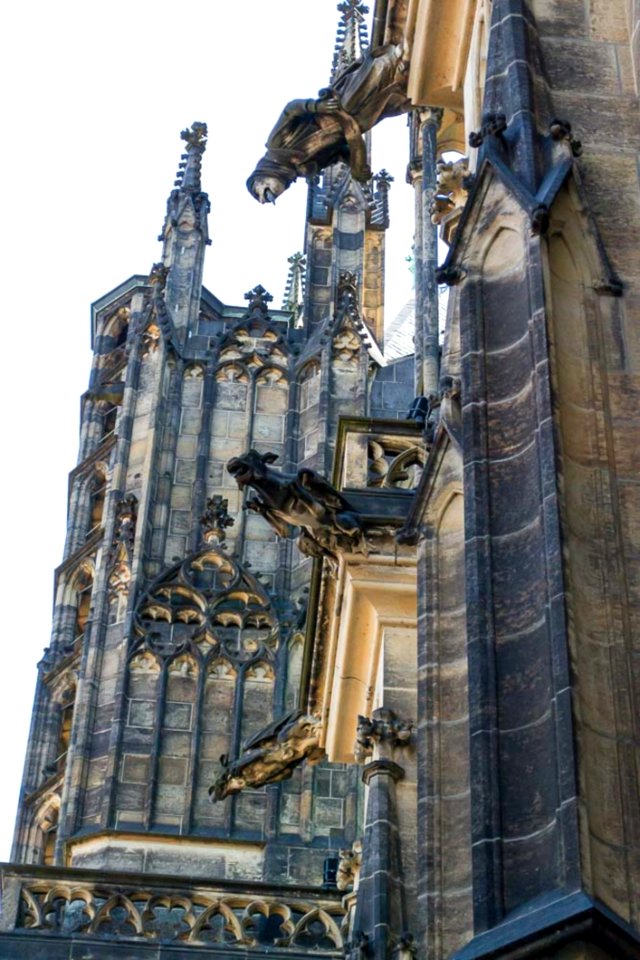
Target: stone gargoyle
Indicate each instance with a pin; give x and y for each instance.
(271, 755)
(328, 523)
(312, 134)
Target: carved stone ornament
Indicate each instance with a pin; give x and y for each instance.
(450, 407)
(159, 311)
(359, 947)
(124, 529)
(394, 462)
(196, 136)
(405, 947)
(271, 755)
(328, 523)
(451, 195)
(561, 130)
(150, 340)
(208, 921)
(216, 519)
(312, 134)
(383, 729)
(349, 865)
(158, 276)
(493, 125)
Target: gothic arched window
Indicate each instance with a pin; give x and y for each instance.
(83, 587)
(47, 819)
(64, 728)
(97, 494)
(117, 327)
(109, 418)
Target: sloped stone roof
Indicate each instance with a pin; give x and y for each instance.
(398, 337)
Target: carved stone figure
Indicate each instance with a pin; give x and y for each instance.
(311, 134)
(349, 866)
(271, 755)
(327, 521)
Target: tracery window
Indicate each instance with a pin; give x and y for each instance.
(201, 678)
(309, 400)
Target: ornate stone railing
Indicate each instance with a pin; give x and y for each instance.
(70, 903)
(380, 455)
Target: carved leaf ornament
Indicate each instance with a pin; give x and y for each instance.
(208, 606)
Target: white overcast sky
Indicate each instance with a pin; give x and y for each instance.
(94, 98)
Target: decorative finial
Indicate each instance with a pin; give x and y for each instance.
(196, 136)
(383, 179)
(380, 205)
(295, 287)
(215, 519)
(188, 175)
(351, 37)
(258, 299)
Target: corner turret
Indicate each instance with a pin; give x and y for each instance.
(185, 234)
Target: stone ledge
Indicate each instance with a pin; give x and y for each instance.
(548, 923)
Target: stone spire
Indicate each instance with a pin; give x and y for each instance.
(351, 37)
(293, 300)
(185, 233)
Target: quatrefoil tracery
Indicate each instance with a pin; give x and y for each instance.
(210, 606)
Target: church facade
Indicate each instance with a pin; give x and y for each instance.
(344, 657)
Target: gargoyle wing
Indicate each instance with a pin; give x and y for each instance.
(322, 490)
(271, 731)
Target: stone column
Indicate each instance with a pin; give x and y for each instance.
(421, 174)
(414, 177)
(380, 915)
(430, 119)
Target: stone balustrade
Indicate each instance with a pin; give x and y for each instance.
(60, 904)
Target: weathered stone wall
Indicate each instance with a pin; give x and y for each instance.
(590, 52)
(445, 892)
(595, 415)
(393, 389)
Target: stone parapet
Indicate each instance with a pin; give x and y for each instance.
(54, 905)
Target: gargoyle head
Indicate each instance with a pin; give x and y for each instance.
(270, 178)
(226, 782)
(250, 466)
(267, 189)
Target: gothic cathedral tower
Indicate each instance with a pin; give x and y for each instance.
(179, 615)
